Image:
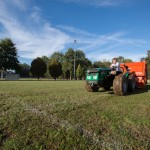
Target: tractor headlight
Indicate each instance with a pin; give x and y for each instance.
(95, 77)
(88, 77)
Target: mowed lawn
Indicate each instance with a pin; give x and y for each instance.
(36, 115)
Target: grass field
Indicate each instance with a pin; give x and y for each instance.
(36, 115)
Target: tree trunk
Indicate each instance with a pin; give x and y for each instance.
(2, 74)
(70, 75)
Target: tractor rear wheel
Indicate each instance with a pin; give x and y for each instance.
(131, 83)
(120, 85)
(90, 88)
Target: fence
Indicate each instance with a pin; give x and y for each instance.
(12, 77)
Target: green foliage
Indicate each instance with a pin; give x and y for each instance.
(46, 60)
(148, 53)
(68, 61)
(67, 69)
(127, 60)
(55, 68)
(58, 56)
(98, 64)
(147, 59)
(82, 60)
(69, 55)
(101, 64)
(79, 72)
(121, 59)
(8, 55)
(38, 67)
(148, 65)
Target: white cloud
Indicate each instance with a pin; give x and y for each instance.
(36, 37)
(99, 47)
(32, 39)
(21, 4)
(75, 30)
(99, 3)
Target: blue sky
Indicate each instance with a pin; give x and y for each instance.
(103, 28)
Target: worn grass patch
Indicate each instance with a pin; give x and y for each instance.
(62, 115)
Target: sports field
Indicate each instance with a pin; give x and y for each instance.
(36, 115)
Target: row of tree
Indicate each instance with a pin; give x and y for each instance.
(57, 65)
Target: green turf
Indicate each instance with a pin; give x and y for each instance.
(63, 115)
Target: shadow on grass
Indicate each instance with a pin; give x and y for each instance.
(137, 91)
(4, 136)
(142, 90)
(109, 92)
(39, 80)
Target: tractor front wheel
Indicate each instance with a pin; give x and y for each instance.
(90, 88)
(120, 85)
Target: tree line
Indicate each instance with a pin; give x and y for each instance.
(69, 65)
(58, 65)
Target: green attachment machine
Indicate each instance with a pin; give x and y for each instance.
(97, 76)
(107, 78)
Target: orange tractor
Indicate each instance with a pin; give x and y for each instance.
(139, 69)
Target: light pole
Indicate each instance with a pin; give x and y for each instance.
(75, 42)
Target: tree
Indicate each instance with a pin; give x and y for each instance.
(148, 53)
(58, 56)
(142, 59)
(79, 72)
(68, 63)
(148, 65)
(147, 59)
(67, 69)
(46, 60)
(38, 67)
(82, 60)
(101, 64)
(127, 60)
(8, 55)
(55, 68)
(121, 59)
(98, 64)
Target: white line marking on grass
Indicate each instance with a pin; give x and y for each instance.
(93, 137)
(78, 127)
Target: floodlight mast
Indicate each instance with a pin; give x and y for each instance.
(75, 42)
